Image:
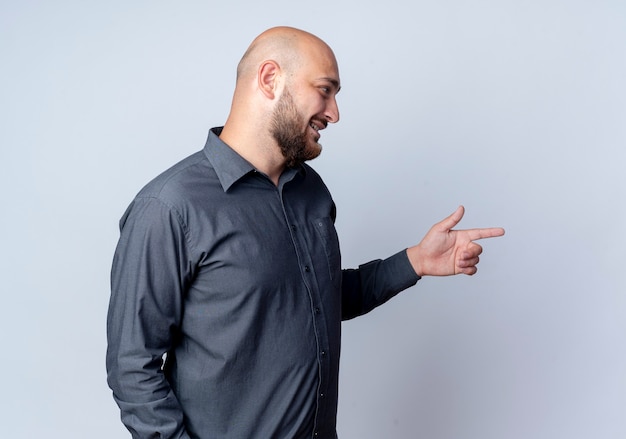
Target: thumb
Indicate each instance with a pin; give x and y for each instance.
(451, 221)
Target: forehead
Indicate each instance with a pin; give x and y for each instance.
(319, 62)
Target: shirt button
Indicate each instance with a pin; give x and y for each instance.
(323, 353)
(307, 268)
(321, 395)
(317, 310)
(293, 227)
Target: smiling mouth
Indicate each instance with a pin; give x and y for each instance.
(317, 127)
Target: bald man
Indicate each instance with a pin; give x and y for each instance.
(227, 287)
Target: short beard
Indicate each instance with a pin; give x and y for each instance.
(287, 131)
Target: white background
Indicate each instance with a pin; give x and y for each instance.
(516, 109)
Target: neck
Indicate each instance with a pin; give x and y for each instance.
(262, 152)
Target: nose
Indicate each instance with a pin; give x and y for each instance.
(332, 111)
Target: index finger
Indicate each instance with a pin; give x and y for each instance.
(490, 232)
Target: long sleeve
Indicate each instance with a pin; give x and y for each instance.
(151, 269)
(374, 283)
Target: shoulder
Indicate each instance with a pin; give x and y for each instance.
(181, 181)
(179, 190)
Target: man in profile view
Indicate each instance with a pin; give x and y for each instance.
(227, 287)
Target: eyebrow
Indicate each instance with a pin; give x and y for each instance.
(333, 81)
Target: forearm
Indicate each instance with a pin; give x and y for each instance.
(149, 408)
(150, 413)
(374, 283)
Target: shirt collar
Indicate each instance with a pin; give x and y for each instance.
(230, 166)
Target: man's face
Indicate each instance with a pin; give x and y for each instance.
(306, 106)
(298, 140)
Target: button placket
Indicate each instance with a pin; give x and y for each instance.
(312, 256)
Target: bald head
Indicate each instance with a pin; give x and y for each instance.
(287, 46)
(284, 97)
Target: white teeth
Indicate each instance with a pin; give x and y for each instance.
(312, 125)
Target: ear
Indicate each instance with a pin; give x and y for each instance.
(268, 78)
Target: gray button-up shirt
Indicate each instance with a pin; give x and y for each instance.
(237, 284)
